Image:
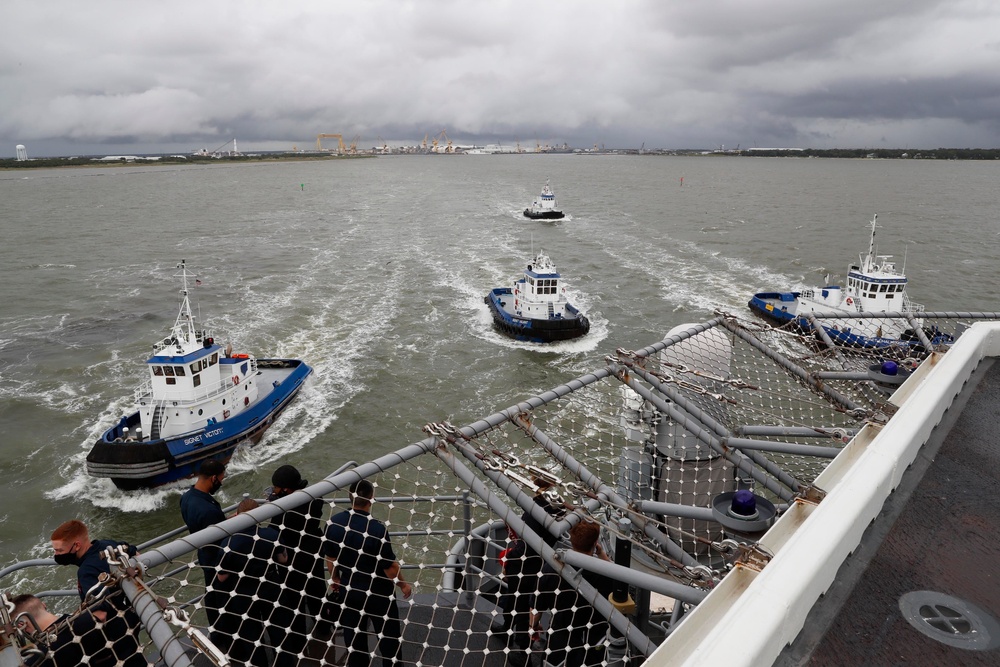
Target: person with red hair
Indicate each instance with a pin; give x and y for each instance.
(120, 624)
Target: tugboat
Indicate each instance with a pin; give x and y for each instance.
(544, 208)
(874, 285)
(535, 308)
(199, 402)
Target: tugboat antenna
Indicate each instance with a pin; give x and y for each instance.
(185, 320)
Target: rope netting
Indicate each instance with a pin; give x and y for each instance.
(496, 543)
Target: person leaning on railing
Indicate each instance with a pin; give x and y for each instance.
(117, 621)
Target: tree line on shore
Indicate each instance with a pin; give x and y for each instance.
(886, 153)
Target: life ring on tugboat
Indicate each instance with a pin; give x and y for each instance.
(849, 301)
(236, 379)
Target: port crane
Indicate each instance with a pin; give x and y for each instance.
(341, 149)
(436, 144)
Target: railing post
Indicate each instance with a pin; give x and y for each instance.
(154, 613)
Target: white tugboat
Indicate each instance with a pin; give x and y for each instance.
(874, 285)
(535, 308)
(544, 207)
(199, 402)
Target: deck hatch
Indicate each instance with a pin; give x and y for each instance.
(949, 620)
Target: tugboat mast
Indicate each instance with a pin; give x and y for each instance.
(869, 263)
(184, 324)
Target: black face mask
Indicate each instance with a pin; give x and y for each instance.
(216, 485)
(65, 559)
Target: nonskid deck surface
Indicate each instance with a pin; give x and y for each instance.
(944, 547)
(443, 629)
(268, 376)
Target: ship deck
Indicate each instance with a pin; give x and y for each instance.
(937, 534)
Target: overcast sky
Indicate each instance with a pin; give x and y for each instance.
(86, 77)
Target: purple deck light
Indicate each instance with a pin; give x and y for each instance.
(744, 504)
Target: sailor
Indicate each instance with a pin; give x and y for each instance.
(200, 510)
(73, 641)
(301, 533)
(250, 575)
(576, 633)
(521, 568)
(118, 622)
(364, 571)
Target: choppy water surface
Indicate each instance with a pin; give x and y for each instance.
(374, 272)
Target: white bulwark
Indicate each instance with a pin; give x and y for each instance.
(22, 152)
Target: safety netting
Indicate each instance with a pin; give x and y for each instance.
(574, 528)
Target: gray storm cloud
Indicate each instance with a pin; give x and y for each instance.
(182, 75)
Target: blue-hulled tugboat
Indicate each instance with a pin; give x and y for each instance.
(199, 402)
(535, 308)
(874, 285)
(544, 207)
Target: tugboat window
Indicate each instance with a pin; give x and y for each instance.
(157, 370)
(180, 371)
(171, 380)
(169, 372)
(884, 288)
(215, 359)
(197, 380)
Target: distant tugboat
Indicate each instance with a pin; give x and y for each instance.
(199, 402)
(535, 309)
(544, 208)
(873, 286)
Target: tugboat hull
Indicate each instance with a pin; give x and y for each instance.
(140, 464)
(779, 308)
(534, 330)
(543, 215)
